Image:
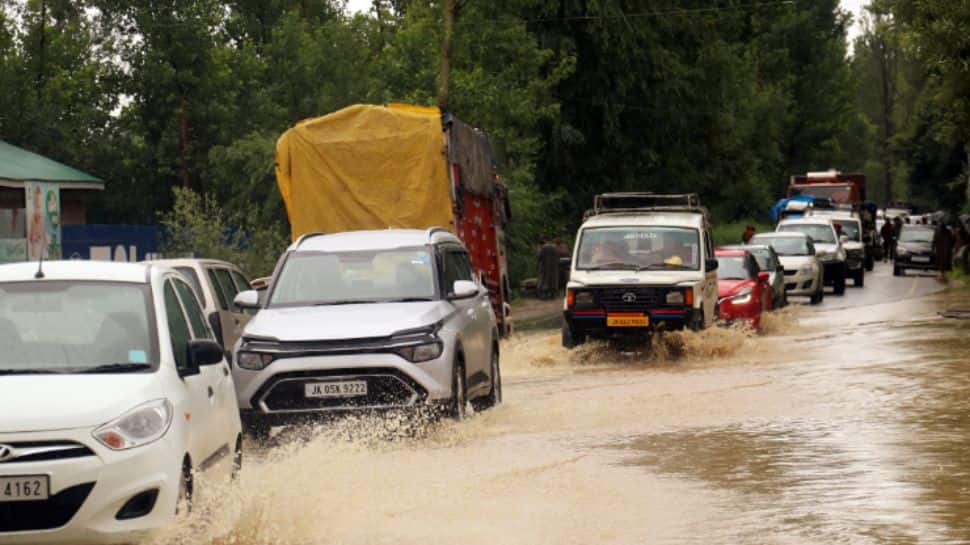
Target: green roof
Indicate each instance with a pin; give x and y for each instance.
(20, 165)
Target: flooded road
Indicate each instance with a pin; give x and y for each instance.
(848, 423)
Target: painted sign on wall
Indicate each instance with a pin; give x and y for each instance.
(43, 220)
(13, 250)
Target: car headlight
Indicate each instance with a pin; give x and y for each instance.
(142, 425)
(902, 250)
(583, 298)
(420, 352)
(253, 361)
(807, 269)
(742, 297)
(675, 297)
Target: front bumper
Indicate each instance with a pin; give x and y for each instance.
(595, 322)
(740, 312)
(87, 492)
(914, 261)
(801, 283)
(277, 392)
(855, 260)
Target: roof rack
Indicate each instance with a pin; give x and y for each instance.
(626, 203)
(433, 230)
(305, 236)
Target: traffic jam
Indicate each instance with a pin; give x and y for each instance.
(133, 380)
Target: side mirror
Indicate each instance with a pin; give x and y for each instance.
(764, 276)
(205, 352)
(246, 300)
(464, 289)
(843, 239)
(710, 265)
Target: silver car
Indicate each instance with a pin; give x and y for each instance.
(368, 321)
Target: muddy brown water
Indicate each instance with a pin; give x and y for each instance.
(846, 423)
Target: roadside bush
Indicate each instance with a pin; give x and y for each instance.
(198, 226)
(730, 233)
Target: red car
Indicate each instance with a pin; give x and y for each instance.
(743, 291)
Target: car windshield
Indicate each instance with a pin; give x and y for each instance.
(916, 234)
(732, 268)
(639, 248)
(764, 259)
(818, 232)
(334, 278)
(789, 245)
(75, 327)
(850, 228)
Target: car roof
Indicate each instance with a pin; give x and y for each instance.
(693, 220)
(781, 234)
(107, 271)
(384, 239)
(189, 261)
(731, 252)
(806, 221)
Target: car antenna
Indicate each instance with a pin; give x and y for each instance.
(40, 268)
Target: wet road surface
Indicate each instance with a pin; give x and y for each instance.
(847, 423)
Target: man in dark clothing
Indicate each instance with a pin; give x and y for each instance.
(888, 240)
(748, 234)
(943, 248)
(548, 281)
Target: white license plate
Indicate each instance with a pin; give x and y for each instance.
(350, 388)
(920, 259)
(27, 488)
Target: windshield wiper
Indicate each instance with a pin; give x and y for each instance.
(615, 266)
(406, 300)
(348, 302)
(115, 368)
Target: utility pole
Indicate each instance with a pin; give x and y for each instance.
(451, 11)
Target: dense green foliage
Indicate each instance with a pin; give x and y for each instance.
(723, 97)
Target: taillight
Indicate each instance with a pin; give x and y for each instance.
(689, 296)
(570, 298)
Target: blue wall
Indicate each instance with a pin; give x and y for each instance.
(110, 242)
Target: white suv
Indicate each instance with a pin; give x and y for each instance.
(367, 321)
(114, 393)
(642, 262)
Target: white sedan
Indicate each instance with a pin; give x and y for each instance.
(113, 393)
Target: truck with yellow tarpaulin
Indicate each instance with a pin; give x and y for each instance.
(399, 166)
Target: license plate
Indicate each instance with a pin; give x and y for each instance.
(627, 321)
(920, 259)
(352, 388)
(28, 488)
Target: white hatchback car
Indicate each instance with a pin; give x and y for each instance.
(113, 393)
(365, 321)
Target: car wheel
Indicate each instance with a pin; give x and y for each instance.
(186, 489)
(860, 278)
(870, 263)
(571, 339)
(839, 284)
(494, 397)
(237, 459)
(819, 293)
(897, 271)
(257, 430)
(697, 320)
(457, 406)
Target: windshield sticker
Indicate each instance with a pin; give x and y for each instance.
(137, 356)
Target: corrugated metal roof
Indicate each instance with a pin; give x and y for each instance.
(20, 165)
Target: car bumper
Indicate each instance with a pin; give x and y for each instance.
(744, 312)
(801, 283)
(594, 322)
(87, 492)
(907, 262)
(277, 392)
(854, 261)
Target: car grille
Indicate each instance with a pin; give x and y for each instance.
(21, 516)
(629, 299)
(791, 286)
(790, 272)
(42, 451)
(386, 389)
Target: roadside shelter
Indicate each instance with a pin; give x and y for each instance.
(37, 197)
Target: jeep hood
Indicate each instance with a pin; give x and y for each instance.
(335, 322)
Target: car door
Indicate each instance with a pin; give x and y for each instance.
(233, 317)
(709, 289)
(198, 413)
(222, 395)
(456, 267)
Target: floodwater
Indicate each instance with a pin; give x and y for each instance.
(845, 423)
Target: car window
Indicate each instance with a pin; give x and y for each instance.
(220, 293)
(456, 267)
(178, 326)
(229, 289)
(733, 267)
(818, 232)
(192, 309)
(193, 277)
(241, 283)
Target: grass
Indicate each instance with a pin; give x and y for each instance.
(730, 233)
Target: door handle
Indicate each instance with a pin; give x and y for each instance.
(212, 393)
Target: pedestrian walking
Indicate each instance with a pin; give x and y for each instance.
(888, 234)
(548, 279)
(943, 248)
(749, 232)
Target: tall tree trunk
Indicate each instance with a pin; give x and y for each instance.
(451, 10)
(887, 75)
(42, 53)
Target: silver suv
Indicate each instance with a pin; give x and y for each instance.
(368, 321)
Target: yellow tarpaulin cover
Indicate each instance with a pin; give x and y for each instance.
(365, 167)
